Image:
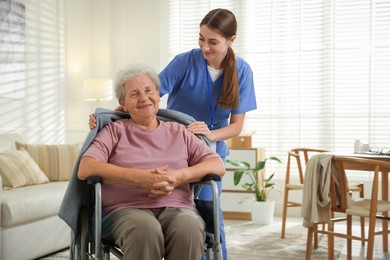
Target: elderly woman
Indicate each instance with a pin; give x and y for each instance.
(146, 166)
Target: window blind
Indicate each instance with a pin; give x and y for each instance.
(321, 68)
(32, 69)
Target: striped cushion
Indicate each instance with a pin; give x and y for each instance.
(56, 161)
(18, 169)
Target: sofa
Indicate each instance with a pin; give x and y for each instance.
(34, 178)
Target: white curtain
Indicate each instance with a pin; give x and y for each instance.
(321, 68)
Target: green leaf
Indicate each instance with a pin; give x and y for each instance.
(269, 185)
(240, 164)
(269, 178)
(248, 186)
(275, 159)
(237, 176)
(260, 165)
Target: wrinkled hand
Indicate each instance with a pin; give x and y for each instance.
(199, 127)
(92, 122)
(165, 188)
(160, 189)
(156, 181)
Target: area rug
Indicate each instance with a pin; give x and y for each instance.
(250, 242)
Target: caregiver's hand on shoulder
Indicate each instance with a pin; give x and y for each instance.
(92, 122)
(199, 127)
(92, 119)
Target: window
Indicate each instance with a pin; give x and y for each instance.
(321, 68)
(32, 69)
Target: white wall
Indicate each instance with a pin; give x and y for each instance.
(101, 37)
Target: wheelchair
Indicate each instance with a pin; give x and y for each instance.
(87, 241)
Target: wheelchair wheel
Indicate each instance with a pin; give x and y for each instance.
(82, 239)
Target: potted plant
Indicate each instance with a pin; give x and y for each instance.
(258, 183)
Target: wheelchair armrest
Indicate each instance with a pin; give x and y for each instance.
(93, 180)
(210, 177)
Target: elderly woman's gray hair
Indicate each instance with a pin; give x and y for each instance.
(130, 72)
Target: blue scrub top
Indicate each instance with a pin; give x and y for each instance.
(185, 80)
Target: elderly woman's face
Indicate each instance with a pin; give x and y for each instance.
(142, 98)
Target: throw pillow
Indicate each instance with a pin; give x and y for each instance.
(56, 161)
(18, 169)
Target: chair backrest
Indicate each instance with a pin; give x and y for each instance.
(340, 194)
(301, 156)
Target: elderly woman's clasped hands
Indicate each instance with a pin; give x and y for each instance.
(161, 182)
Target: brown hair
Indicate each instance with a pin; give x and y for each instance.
(224, 22)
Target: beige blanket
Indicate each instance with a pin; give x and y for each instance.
(316, 190)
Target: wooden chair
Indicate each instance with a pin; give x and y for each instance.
(341, 202)
(302, 156)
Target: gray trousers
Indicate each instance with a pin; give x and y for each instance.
(174, 233)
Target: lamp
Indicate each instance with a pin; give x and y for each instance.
(97, 89)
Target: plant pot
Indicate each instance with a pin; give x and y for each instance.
(263, 212)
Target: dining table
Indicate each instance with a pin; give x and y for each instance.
(384, 180)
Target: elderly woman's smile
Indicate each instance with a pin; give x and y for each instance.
(145, 106)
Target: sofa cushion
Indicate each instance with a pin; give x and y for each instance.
(18, 169)
(56, 161)
(31, 203)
